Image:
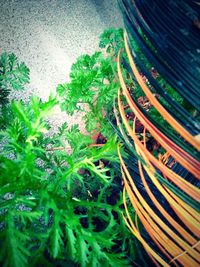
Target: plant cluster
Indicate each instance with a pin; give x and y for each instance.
(59, 207)
(13, 76)
(94, 83)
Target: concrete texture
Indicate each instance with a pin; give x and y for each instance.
(48, 35)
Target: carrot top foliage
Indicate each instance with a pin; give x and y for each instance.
(59, 206)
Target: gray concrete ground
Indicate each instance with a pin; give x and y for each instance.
(48, 35)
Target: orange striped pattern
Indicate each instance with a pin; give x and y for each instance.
(179, 243)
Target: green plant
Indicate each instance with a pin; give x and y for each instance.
(54, 205)
(13, 76)
(93, 83)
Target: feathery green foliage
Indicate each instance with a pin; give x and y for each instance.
(58, 205)
(13, 75)
(53, 202)
(93, 83)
